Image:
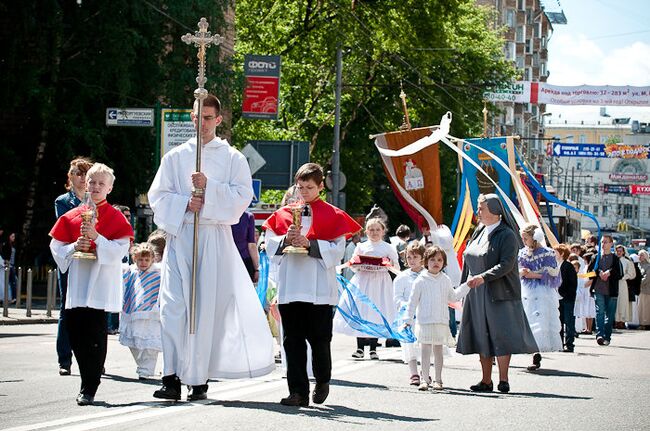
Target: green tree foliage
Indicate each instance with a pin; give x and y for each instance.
(443, 53)
(62, 64)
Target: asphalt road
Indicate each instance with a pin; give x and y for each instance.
(595, 388)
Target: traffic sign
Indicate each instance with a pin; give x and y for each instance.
(131, 117)
(257, 192)
(255, 159)
(578, 150)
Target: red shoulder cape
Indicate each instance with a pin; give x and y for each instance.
(327, 223)
(111, 224)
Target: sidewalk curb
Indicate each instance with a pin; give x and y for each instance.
(27, 320)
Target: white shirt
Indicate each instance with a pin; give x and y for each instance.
(302, 278)
(430, 297)
(403, 286)
(93, 283)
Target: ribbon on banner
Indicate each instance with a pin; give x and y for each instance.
(263, 280)
(350, 312)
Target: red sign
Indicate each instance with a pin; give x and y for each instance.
(262, 87)
(637, 189)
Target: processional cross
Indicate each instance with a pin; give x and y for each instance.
(202, 40)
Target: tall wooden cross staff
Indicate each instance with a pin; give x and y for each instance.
(201, 39)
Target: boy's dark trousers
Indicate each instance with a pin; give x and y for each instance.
(304, 321)
(88, 338)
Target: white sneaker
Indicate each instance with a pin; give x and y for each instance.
(358, 354)
(424, 386)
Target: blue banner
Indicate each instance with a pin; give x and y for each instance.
(476, 181)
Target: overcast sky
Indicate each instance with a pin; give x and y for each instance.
(606, 42)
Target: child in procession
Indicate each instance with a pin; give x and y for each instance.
(307, 285)
(140, 319)
(432, 291)
(402, 288)
(92, 283)
(371, 262)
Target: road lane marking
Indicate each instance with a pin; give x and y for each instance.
(230, 391)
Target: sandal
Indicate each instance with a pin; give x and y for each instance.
(415, 380)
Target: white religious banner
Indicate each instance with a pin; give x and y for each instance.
(545, 93)
(176, 127)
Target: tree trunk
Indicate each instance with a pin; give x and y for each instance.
(47, 110)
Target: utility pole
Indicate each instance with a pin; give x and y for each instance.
(336, 153)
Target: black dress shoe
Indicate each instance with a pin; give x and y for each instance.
(503, 387)
(537, 362)
(198, 392)
(295, 400)
(171, 388)
(64, 371)
(482, 387)
(321, 391)
(568, 350)
(85, 400)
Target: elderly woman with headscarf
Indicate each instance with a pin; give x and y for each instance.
(644, 292)
(494, 322)
(540, 280)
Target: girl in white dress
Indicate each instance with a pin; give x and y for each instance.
(373, 281)
(402, 288)
(432, 291)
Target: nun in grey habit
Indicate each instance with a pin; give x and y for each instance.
(494, 323)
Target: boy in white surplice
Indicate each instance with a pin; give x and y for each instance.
(307, 285)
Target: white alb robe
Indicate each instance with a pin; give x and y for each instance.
(93, 283)
(232, 338)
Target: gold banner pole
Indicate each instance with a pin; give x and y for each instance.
(201, 39)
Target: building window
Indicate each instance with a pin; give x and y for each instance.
(510, 115)
(510, 18)
(521, 4)
(528, 74)
(520, 62)
(595, 212)
(597, 165)
(519, 34)
(511, 51)
(583, 139)
(529, 46)
(604, 213)
(569, 139)
(627, 211)
(636, 211)
(587, 186)
(603, 139)
(543, 42)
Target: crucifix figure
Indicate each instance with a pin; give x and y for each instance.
(201, 39)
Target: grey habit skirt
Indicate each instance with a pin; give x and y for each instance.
(494, 328)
